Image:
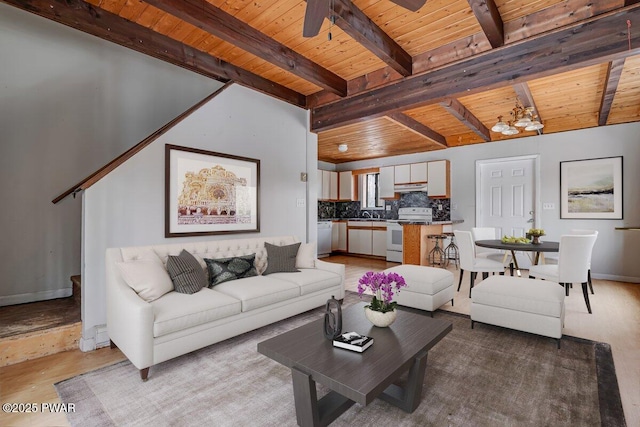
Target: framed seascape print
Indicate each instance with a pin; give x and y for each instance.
(210, 193)
(591, 189)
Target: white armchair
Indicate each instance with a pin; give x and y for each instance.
(574, 259)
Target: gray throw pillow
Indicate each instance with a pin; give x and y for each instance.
(186, 273)
(281, 259)
(225, 269)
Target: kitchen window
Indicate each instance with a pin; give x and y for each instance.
(370, 190)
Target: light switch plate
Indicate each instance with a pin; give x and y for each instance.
(548, 206)
(300, 203)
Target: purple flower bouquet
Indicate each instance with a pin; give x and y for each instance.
(382, 285)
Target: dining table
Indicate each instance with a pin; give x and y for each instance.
(537, 248)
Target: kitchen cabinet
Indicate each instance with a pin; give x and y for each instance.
(386, 182)
(339, 236)
(411, 173)
(379, 243)
(328, 183)
(402, 174)
(345, 186)
(367, 238)
(439, 179)
(360, 241)
(418, 172)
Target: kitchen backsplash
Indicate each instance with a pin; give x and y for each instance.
(339, 210)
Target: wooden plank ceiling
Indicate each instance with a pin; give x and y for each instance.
(389, 81)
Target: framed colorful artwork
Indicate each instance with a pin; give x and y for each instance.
(210, 193)
(591, 189)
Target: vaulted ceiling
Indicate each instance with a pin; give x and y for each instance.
(387, 81)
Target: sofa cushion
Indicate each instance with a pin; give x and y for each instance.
(147, 277)
(310, 280)
(186, 273)
(176, 312)
(259, 291)
(306, 257)
(225, 269)
(281, 258)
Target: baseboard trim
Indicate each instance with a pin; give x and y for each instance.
(35, 296)
(616, 278)
(94, 338)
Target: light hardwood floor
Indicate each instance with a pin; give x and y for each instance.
(615, 319)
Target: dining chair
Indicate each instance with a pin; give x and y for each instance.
(471, 263)
(554, 259)
(489, 233)
(574, 257)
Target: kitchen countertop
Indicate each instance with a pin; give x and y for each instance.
(404, 222)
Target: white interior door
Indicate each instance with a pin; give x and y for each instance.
(506, 196)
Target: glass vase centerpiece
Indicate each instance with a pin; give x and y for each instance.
(382, 309)
(534, 234)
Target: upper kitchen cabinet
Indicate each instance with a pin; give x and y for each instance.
(412, 173)
(438, 179)
(386, 182)
(327, 185)
(346, 189)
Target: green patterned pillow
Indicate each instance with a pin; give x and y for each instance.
(225, 269)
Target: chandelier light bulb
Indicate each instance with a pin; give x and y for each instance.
(500, 126)
(342, 148)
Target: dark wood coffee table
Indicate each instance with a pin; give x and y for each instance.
(356, 377)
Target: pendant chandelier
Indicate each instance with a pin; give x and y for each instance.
(522, 117)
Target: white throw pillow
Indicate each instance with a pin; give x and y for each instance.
(147, 277)
(306, 257)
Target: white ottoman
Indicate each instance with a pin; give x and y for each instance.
(427, 287)
(529, 305)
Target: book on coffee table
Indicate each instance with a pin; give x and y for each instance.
(353, 341)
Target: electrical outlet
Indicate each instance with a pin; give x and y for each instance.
(439, 207)
(388, 207)
(548, 206)
(300, 203)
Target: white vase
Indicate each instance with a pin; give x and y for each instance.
(380, 319)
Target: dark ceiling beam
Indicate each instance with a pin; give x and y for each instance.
(361, 28)
(566, 13)
(209, 18)
(583, 44)
(416, 127)
(105, 25)
(460, 112)
(526, 98)
(614, 71)
(489, 18)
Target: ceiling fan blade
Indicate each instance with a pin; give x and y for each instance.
(412, 5)
(314, 15)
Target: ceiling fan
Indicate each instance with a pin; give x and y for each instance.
(317, 10)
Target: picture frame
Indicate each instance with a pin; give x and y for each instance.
(591, 188)
(210, 193)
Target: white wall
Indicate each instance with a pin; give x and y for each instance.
(126, 208)
(615, 255)
(69, 103)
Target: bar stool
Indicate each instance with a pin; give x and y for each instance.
(436, 255)
(451, 251)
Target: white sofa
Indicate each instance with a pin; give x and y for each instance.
(149, 333)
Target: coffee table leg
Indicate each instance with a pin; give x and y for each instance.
(310, 411)
(408, 398)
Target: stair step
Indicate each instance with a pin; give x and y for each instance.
(32, 345)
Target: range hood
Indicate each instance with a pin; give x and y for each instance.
(405, 188)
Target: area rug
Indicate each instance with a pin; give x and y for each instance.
(486, 376)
